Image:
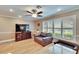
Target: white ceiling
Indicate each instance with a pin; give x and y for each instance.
(47, 10)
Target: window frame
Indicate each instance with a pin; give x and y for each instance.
(62, 28)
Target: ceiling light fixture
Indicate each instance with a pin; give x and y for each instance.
(20, 16)
(34, 15)
(58, 9)
(11, 10)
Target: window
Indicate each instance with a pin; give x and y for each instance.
(68, 33)
(67, 28)
(45, 26)
(57, 28)
(50, 26)
(61, 28)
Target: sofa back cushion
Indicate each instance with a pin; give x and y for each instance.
(49, 34)
(43, 34)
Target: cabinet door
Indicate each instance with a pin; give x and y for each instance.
(23, 35)
(28, 35)
(18, 36)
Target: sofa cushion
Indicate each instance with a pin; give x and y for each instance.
(45, 38)
(49, 34)
(43, 34)
(39, 38)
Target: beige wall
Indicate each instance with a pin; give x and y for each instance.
(7, 27)
(75, 12)
(38, 28)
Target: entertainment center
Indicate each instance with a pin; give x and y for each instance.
(22, 32)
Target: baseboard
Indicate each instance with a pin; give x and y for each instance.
(9, 40)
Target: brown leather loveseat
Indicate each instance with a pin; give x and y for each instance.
(68, 44)
(43, 38)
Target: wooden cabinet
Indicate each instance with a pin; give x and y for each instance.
(22, 36)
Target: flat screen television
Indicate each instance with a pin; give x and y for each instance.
(22, 27)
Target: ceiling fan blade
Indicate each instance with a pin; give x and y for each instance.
(39, 15)
(29, 12)
(40, 12)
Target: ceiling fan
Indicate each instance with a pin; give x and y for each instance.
(36, 12)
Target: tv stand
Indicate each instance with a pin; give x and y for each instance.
(22, 36)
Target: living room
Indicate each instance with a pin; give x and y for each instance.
(20, 27)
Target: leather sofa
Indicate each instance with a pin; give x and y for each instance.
(68, 44)
(43, 38)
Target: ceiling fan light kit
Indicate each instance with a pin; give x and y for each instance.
(35, 12)
(34, 15)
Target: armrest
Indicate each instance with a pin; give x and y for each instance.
(75, 48)
(56, 42)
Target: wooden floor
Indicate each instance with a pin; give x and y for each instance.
(28, 46)
(21, 47)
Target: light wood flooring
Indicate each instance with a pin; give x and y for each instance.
(21, 47)
(24, 47)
